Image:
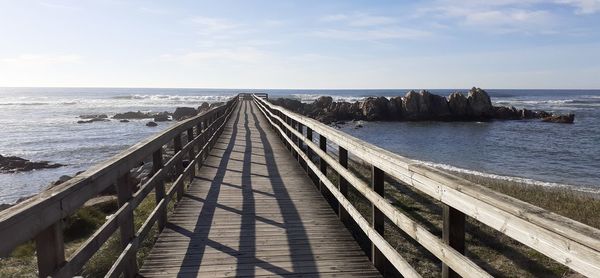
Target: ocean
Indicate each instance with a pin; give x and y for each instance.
(41, 124)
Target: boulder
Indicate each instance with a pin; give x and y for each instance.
(528, 114)
(395, 108)
(506, 113)
(94, 116)
(323, 102)
(290, 104)
(133, 115)
(458, 105)
(203, 107)
(561, 119)
(410, 105)
(12, 164)
(124, 121)
(184, 112)
(375, 109)
(151, 124)
(161, 118)
(480, 105)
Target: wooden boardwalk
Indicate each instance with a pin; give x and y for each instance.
(253, 211)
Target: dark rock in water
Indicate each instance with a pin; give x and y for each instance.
(133, 115)
(458, 105)
(323, 102)
(203, 107)
(561, 119)
(93, 120)
(124, 121)
(161, 118)
(291, 104)
(184, 112)
(98, 116)
(480, 104)
(410, 105)
(394, 108)
(151, 124)
(528, 114)
(12, 164)
(506, 113)
(438, 107)
(375, 109)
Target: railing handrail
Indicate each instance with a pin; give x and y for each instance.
(26, 220)
(568, 242)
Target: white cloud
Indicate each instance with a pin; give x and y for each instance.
(582, 6)
(240, 54)
(359, 19)
(373, 34)
(212, 25)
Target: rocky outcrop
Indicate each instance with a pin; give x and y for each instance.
(133, 115)
(161, 118)
(12, 164)
(94, 116)
(422, 106)
(151, 124)
(203, 107)
(182, 113)
(92, 120)
(561, 119)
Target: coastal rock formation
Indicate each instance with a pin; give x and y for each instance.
(12, 164)
(133, 115)
(561, 119)
(94, 116)
(161, 118)
(151, 124)
(93, 120)
(421, 106)
(182, 113)
(203, 107)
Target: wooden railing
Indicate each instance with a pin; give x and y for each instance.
(40, 218)
(564, 240)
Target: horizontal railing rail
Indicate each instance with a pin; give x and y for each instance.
(40, 217)
(564, 240)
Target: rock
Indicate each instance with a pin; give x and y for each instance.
(528, 114)
(375, 109)
(62, 179)
(290, 104)
(561, 119)
(410, 105)
(93, 120)
(506, 113)
(151, 124)
(12, 164)
(480, 105)
(93, 116)
(161, 118)
(203, 107)
(133, 115)
(184, 112)
(433, 106)
(323, 102)
(458, 105)
(124, 121)
(395, 110)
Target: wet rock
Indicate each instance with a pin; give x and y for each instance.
(375, 109)
(480, 105)
(323, 102)
(151, 124)
(133, 115)
(12, 164)
(184, 112)
(94, 116)
(124, 121)
(561, 119)
(506, 113)
(203, 107)
(161, 118)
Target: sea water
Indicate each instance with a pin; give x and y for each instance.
(41, 124)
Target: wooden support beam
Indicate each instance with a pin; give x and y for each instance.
(157, 164)
(453, 234)
(50, 249)
(127, 229)
(322, 163)
(178, 164)
(192, 153)
(378, 219)
(343, 184)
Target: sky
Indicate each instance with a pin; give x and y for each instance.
(301, 44)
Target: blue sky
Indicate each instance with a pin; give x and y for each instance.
(301, 44)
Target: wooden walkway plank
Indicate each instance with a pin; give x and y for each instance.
(253, 211)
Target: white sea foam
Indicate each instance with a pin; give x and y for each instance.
(526, 181)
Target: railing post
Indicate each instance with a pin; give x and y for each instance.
(157, 165)
(192, 153)
(343, 184)
(178, 164)
(50, 249)
(127, 230)
(301, 130)
(322, 163)
(378, 259)
(453, 234)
